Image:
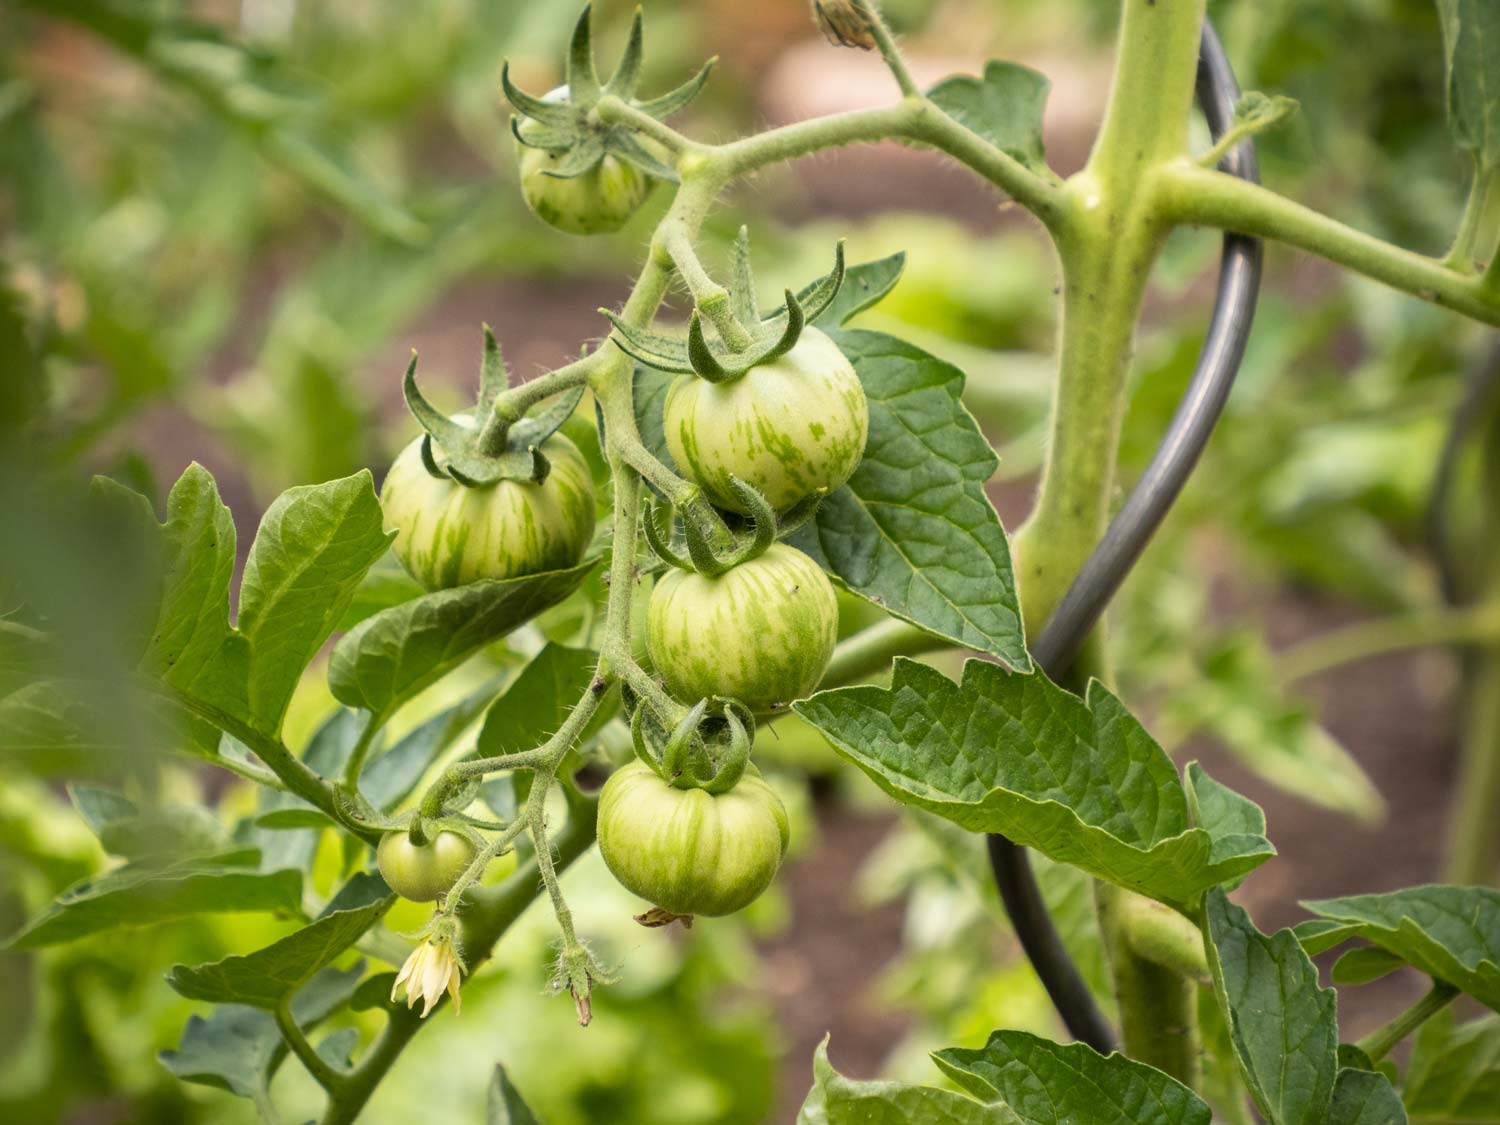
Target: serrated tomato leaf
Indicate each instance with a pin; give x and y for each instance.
(1365, 1097)
(836, 1100)
(139, 896)
(1048, 1083)
(864, 285)
(1080, 781)
(1284, 1027)
(1451, 933)
(389, 657)
(265, 978)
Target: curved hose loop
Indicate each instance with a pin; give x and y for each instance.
(1127, 536)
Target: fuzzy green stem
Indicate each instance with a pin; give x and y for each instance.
(361, 751)
(1158, 1004)
(323, 1073)
(1190, 194)
(873, 649)
(511, 406)
(885, 42)
(614, 110)
(1156, 933)
(1459, 625)
(711, 298)
(1461, 255)
(1379, 1042)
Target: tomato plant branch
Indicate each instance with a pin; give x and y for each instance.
(871, 650)
(356, 763)
(1379, 1042)
(293, 773)
(1158, 934)
(885, 42)
(711, 298)
(1451, 625)
(1190, 194)
(613, 110)
(322, 1072)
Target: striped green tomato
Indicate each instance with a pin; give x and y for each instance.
(789, 427)
(423, 872)
(600, 201)
(449, 535)
(761, 633)
(689, 851)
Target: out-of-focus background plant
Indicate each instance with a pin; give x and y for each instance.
(222, 227)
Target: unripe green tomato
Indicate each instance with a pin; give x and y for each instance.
(789, 427)
(449, 535)
(762, 633)
(600, 201)
(689, 851)
(423, 873)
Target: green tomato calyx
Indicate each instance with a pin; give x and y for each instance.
(771, 335)
(713, 548)
(503, 448)
(564, 122)
(708, 751)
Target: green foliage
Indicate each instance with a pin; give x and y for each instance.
(1454, 1070)
(1005, 107)
(1081, 781)
(1283, 1026)
(1471, 53)
(1450, 933)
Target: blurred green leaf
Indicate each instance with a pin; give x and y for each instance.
(133, 896)
(1454, 1070)
(1471, 54)
(504, 1105)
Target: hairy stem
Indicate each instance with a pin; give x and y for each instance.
(1190, 194)
(1379, 1042)
(1461, 254)
(885, 42)
(324, 1074)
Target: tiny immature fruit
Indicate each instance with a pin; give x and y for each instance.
(788, 428)
(689, 851)
(423, 872)
(761, 633)
(449, 535)
(597, 201)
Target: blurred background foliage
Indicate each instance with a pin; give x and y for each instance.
(223, 225)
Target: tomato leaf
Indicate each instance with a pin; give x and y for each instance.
(238, 1048)
(1454, 1070)
(311, 553)
(1004, 107)
(504, 1104)
(1069, 1084)
(137, 896)
(1450, 933)
(1283, 1026)
(1363, 965)
(836, 1100)
(388, 658)
(913, 530)
(1471, 57)
(266, 977)
(1080, 781)
(1364, 1097)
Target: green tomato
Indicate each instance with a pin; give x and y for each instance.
(761, 633)
(449, 535)
(689, 851)
(789, 427)
(423, 873)
(600, 201)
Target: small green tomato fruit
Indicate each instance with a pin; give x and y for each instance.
(423, 873)
(600, 201)
(689, 851)
(449, 535)
(789, 427)
(762, 633)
